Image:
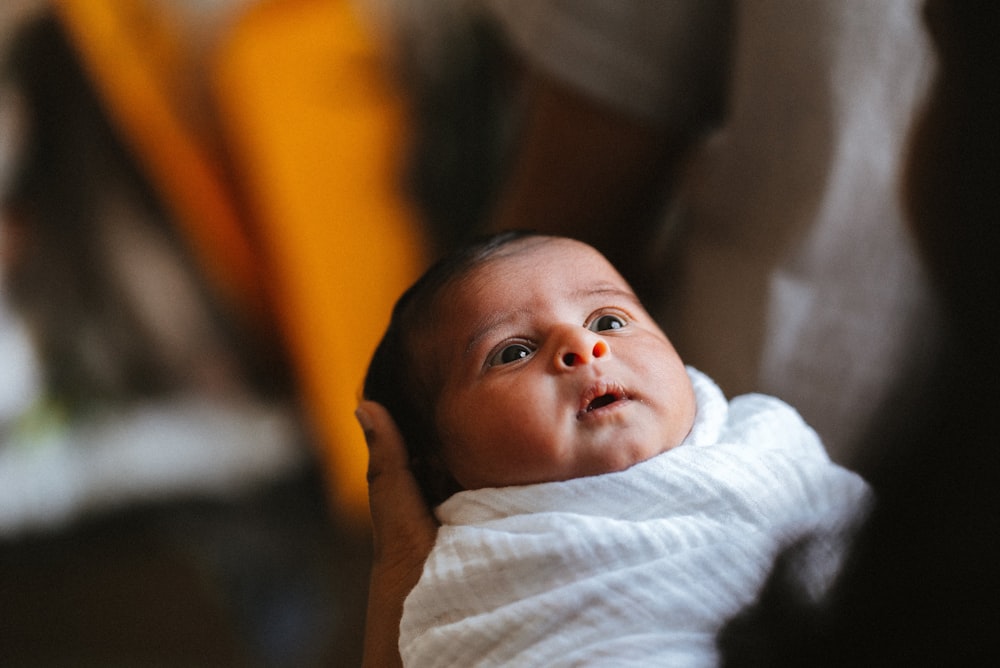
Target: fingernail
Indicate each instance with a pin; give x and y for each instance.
(365, 420)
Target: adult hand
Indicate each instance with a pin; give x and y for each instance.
(403, 530)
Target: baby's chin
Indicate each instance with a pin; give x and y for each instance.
(651, 455)
(623, 457)
(624, 463)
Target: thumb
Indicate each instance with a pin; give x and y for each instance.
(402, 524)
(403, 531)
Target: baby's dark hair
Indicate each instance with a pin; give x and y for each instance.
(394, 379)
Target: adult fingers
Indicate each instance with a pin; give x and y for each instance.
(403, 531)
(401, 520)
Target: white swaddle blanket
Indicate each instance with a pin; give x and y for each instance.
(640, 567)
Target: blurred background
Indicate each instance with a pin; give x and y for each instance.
(208, 208)
(174, 489)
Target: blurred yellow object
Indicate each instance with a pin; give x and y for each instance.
(317, 128)
(134, 57)
(312, 127)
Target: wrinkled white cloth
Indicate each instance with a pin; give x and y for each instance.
(640, 567)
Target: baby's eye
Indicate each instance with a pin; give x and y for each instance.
(606, 322)
(510, 353)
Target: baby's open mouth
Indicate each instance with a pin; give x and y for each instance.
(600, 396)
(602, 401)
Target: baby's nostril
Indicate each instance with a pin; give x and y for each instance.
(569, 359)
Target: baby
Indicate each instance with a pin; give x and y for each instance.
(543, 408)
(527, 359)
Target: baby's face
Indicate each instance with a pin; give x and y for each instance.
(552, 370)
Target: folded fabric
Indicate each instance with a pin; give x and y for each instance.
(639, 567)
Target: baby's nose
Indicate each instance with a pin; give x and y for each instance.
(579, 348)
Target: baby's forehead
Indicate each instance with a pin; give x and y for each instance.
(532, 256)
(542, 268)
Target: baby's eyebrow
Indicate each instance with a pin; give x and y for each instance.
(608, 290)
(496, 320)
(488, 324)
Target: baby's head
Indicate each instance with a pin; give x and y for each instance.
(525, 359)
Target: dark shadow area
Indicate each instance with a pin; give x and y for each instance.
(266, 580)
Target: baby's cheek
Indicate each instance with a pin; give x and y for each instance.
(675, 400)
(527, 458)
(684, 409)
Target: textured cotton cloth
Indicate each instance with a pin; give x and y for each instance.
(639, 567)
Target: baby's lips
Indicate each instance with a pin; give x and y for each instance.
(599, 395)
